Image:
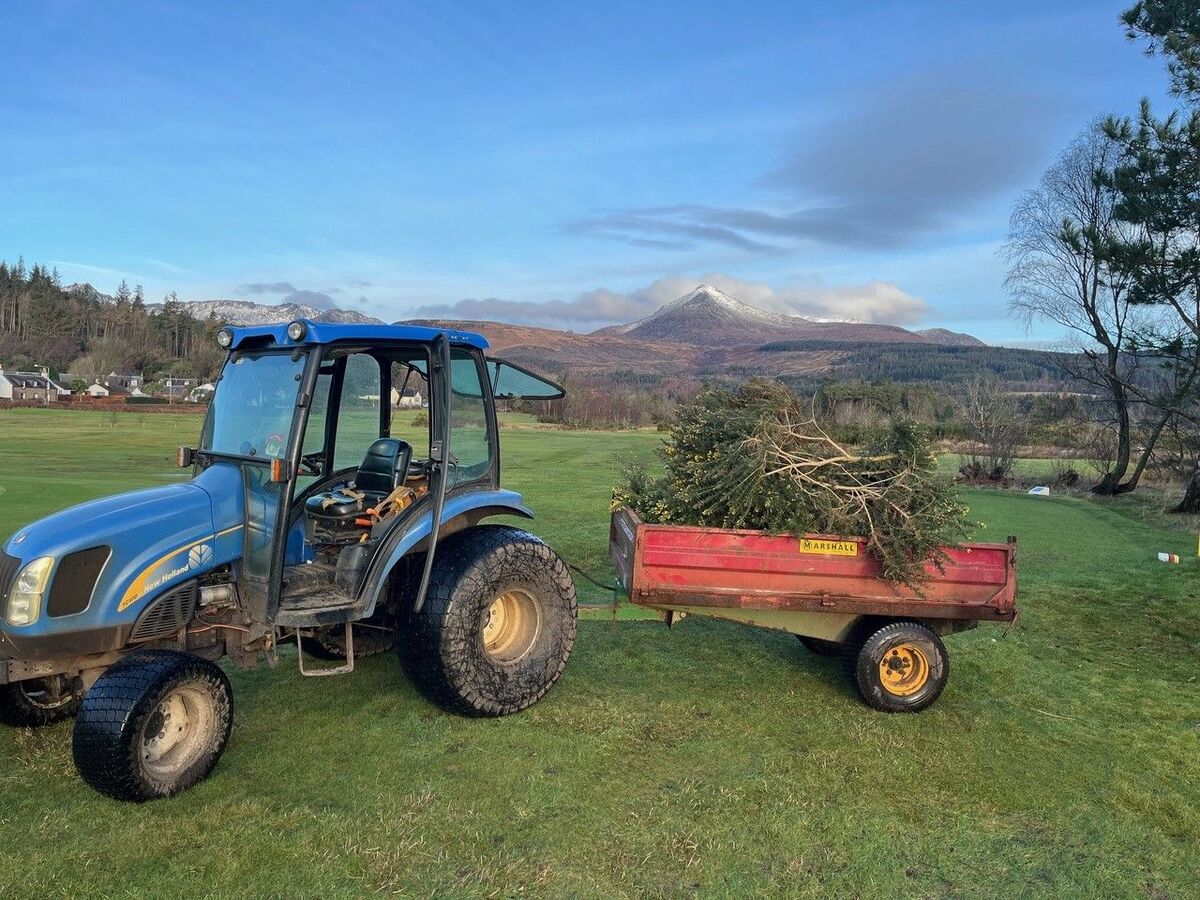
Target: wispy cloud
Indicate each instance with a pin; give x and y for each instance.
(906, 162)
(268, 287)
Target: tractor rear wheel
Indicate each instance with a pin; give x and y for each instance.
(901, 667)
(39, 701)
(152, 725)
(498, 623)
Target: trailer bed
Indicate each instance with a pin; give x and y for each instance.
(674, 567)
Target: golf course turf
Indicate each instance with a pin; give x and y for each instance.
(712, 759)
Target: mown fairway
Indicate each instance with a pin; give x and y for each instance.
(1061, 760)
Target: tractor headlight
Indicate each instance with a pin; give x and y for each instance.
(225, 338)
(297, 330)
(25, 598)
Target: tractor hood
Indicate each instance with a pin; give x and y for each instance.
(139, 545)
(159, 510)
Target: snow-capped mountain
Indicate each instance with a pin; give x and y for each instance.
(705, 314)
(709, 317)
(243, 312)
(247, 312)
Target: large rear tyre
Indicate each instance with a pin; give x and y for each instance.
(153, 724)
(498, 623)
(901, 667)
(39, 701)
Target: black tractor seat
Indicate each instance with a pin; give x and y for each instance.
(383, 468)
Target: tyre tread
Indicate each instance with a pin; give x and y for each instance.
(431, 648)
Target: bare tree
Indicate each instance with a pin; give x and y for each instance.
(995, 427)
(1058, 248)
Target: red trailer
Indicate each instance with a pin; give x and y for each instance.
(824, 589)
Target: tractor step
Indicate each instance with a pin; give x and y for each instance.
(344, 669)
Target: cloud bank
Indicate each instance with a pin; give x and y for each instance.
(291, 294)
(873, 301)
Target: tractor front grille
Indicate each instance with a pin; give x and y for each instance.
(75, 580)
(8, 570)
(167, 614)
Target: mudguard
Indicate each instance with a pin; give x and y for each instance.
(397, 546)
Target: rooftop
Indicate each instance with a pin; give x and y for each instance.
(329, 332)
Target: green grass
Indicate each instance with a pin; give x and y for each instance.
(713, 759)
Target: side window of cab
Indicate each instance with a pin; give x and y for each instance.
(358, 414)
(470, 437)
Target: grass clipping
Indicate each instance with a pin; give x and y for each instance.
(754, 458)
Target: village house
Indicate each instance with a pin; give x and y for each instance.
(202, 393)
(130, 382)
(177, 388)
(409, 398)
(37, 387)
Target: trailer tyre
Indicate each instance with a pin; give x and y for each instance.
(152, 725)
(38, 702)
(498, 623)
(901, 667)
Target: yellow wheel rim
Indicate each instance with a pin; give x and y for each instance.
(904, 669)
(511, 626)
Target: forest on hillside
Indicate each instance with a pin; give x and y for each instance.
(935, 363)
(42, 324)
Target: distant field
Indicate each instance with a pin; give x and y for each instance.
(713, 759)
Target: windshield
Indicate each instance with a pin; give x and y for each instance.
(255, 402)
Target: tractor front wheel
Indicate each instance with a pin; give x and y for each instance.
(152, 725)
(498, 623)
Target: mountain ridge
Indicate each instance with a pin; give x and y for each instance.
(710, 317)
(243, 312)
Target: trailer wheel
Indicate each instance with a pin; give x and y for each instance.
(152, 725)
(498, 623)
(820, 647)
(901, 667)
(39, 701)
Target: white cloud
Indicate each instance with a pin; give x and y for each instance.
(872, 301)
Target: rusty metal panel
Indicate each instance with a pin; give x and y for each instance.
(667, 564)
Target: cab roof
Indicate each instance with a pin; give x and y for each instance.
(330, 332)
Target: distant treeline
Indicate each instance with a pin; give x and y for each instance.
(43, 324)
(933, 362)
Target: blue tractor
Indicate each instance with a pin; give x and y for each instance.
(337, 500)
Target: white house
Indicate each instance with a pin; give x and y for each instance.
(26, 386)
(410, 398)
(96, 389)
(202, 392)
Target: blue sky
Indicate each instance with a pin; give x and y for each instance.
(559, 164)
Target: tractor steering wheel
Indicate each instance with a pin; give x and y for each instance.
(312, 463)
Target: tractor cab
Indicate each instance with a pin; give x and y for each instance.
(346, 438)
